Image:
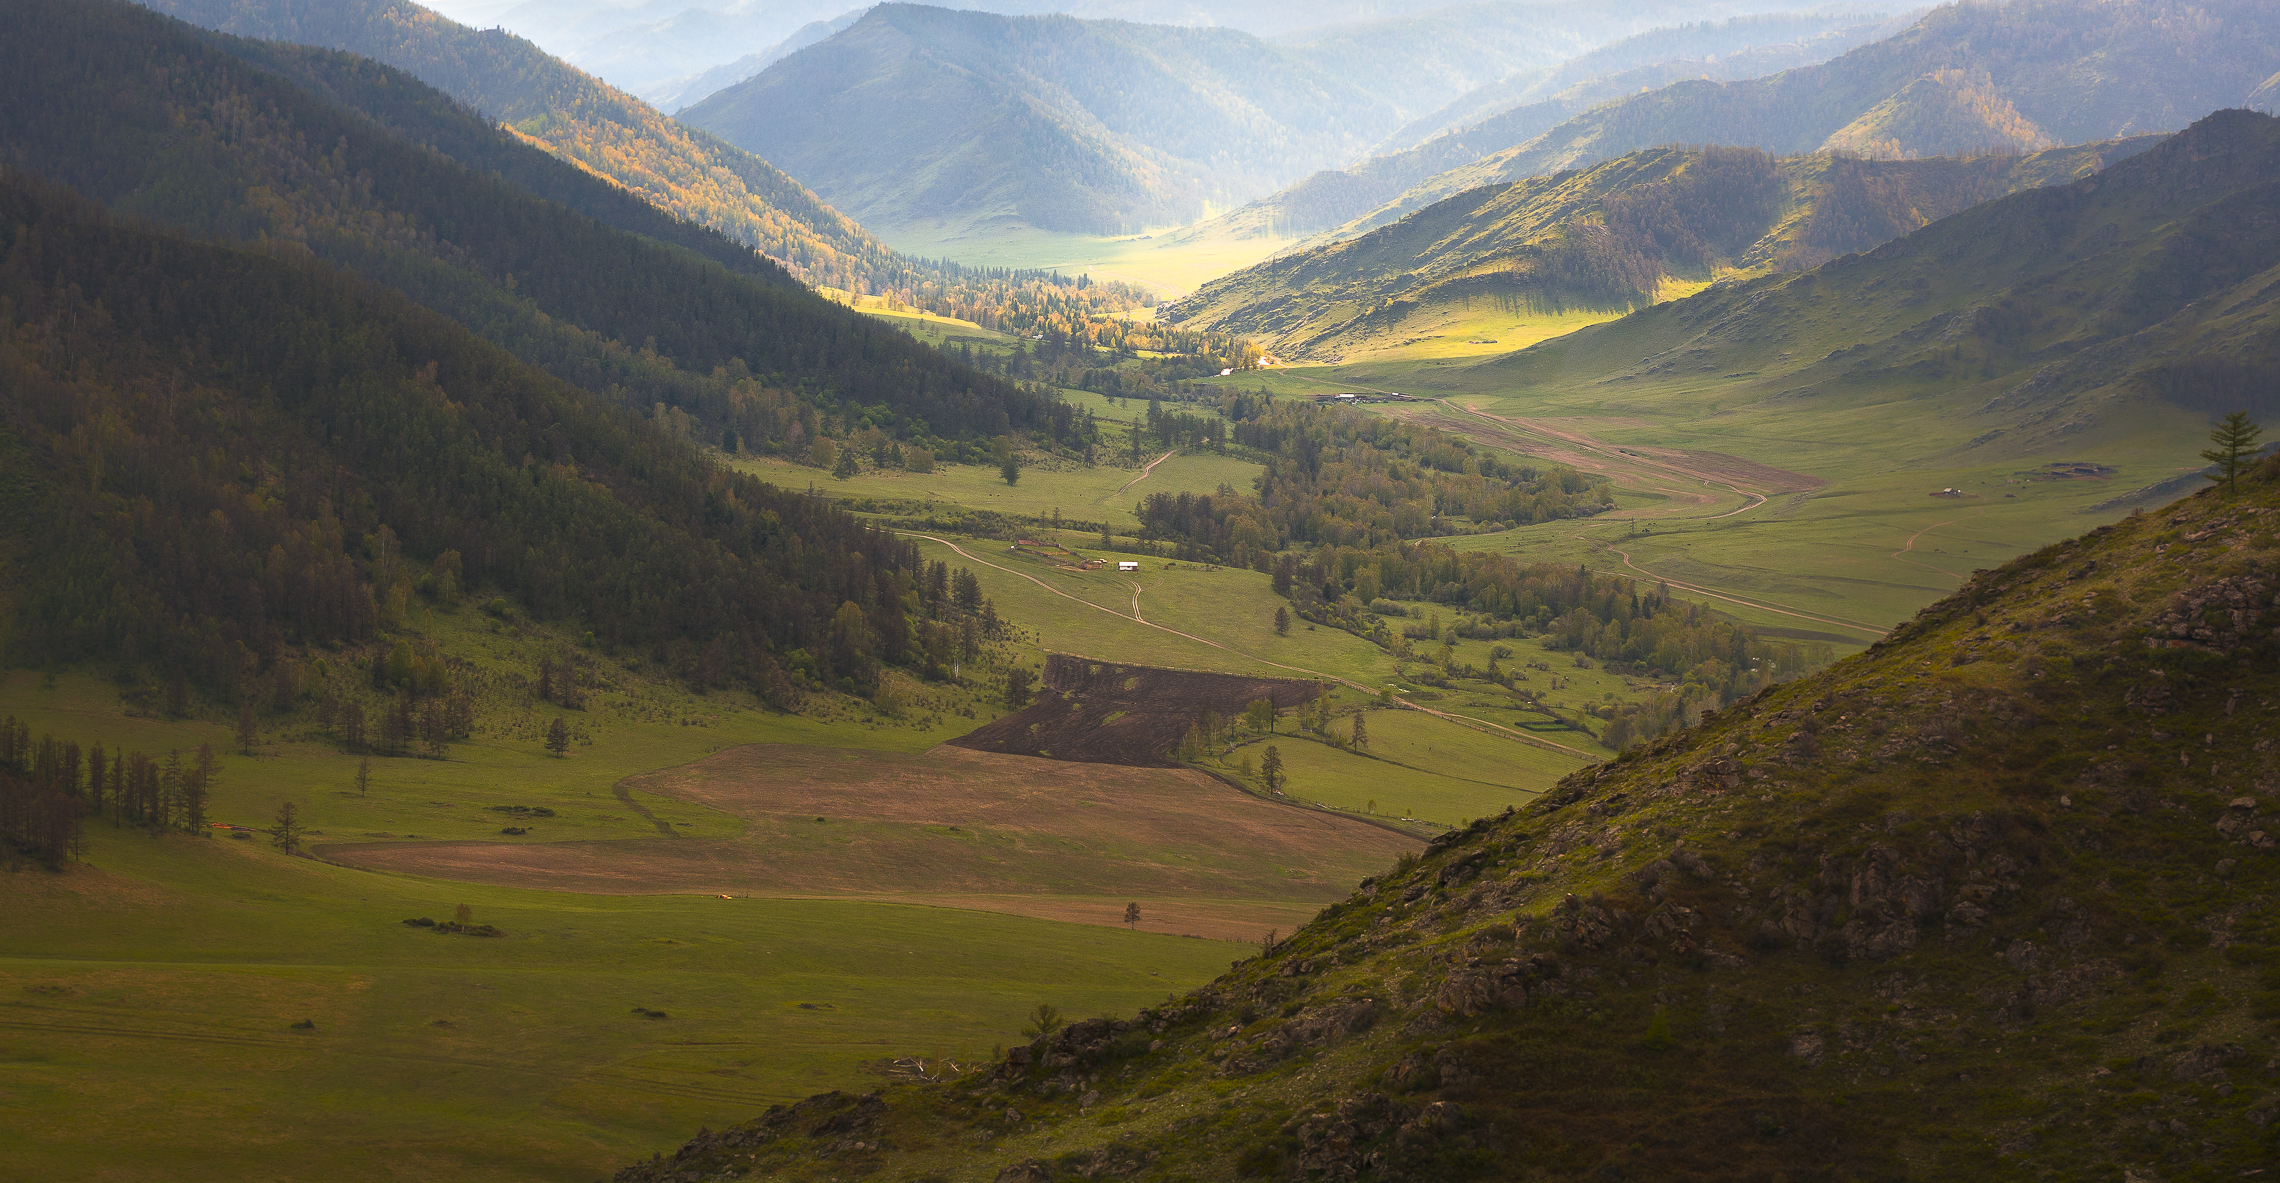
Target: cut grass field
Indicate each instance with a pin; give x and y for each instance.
(159, 986)
(1014, 834)
(1099, 492)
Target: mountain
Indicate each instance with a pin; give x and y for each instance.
(638, 46)
(1992, 900)
(917, 116)
(319, 153)
(1743, 47)
(694, 88)
(220, 456)
(920, 114)
(1606, 236)
(2134, 300)
(676, 168)
(1969, 76)
(1526, 104)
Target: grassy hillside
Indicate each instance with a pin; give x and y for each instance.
(1990, 900)
(1600, 241)
(1967, 76)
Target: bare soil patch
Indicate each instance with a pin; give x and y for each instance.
(962, 828)
(1104, 713)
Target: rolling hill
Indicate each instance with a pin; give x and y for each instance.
(1605, 237)
(919, 116)
(1992, 900)
(1967, 77)
(2131, 302)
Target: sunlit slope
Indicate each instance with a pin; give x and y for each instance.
(581, 119)
(2057, 316)
(1603, 240)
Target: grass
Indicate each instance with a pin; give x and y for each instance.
(158, 988)
(1417, 767)
(1169, 262)
(1100, 492)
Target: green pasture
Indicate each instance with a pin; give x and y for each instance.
(1170, 262)
(1416, 766)
(147, 1006)
(1103, 491)
(1841, 551)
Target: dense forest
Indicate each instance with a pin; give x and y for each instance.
(228, 454)
(142, 113)
(1341, 476)
(653, 161)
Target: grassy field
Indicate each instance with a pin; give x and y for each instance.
(1417, 767)
(1015, 834)
(1101, 492)
(1170, 262)
(157, 988)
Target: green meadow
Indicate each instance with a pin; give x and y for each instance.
(148, 1004)
(1106, 491)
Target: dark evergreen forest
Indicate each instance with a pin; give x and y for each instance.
(366, 167)
(224, 453)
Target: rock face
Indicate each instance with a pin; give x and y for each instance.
(2007, 910)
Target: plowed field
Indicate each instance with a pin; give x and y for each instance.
(1103, 713)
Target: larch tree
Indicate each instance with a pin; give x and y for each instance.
(2235, 440)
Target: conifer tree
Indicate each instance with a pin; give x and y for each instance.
(2235, 440)
(1271, 770)
(285, 833)
(558, 737)
(1361, 733)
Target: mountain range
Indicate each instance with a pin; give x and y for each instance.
(1606, 236)
(917, 116)
(1967, 77)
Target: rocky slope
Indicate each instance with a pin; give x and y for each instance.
(1991, 900)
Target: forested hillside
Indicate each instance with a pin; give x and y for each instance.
(1605, 237)
(222, 453)
(672, 166)
(141, 112)
(2064, 313)
(1968, 77)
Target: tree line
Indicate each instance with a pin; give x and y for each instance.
(1342, 477)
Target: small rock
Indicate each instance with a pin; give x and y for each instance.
(2225, 867)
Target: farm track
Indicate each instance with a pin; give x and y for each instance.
(1615, 459)
(626, 798)
(1911, 545)
(1144, 471)
(1481, 725)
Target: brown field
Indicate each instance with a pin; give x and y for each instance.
(956, 828)
(1106, 713)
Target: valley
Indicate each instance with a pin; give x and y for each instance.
(763, 591)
